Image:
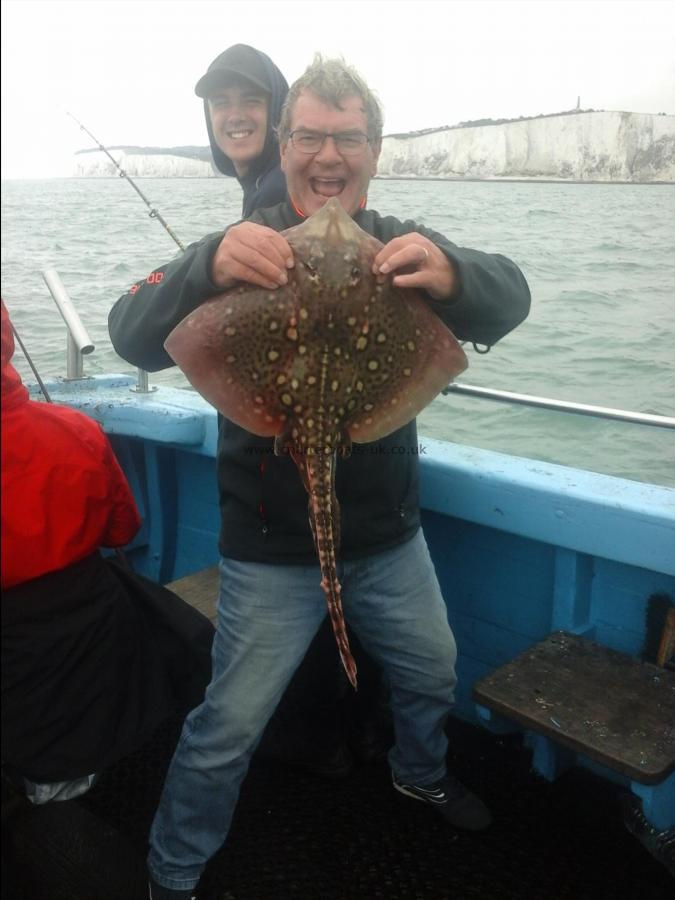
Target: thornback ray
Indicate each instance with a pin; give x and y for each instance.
(329, 358)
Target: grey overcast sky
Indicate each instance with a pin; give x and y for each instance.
(127, 69)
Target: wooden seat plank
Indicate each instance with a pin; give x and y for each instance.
(610, 706)
(199, 590)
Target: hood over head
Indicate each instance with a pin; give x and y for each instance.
(13, 391)
(242, 60)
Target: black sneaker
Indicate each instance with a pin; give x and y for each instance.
(158, 892)
(451, 800)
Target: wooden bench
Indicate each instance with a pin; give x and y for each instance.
(666, 653)
(199, 590)
(574, 696)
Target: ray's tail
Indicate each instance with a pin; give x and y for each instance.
(318, 473)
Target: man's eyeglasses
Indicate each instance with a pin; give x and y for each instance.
(347, 143)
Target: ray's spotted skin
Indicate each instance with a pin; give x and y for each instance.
(332, 357)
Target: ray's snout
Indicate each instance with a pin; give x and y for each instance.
(331, 224)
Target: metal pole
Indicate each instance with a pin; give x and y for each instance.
(82, 342)
(74, 366)
(603, 412)
(141, 386)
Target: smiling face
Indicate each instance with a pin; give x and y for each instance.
(239, 121)
(313, 178)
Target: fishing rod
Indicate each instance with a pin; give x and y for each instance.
(31, 364)
(154, 214)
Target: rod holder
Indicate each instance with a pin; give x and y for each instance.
(141, 386)
(78, 341)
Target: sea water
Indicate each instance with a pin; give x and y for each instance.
(599, 259)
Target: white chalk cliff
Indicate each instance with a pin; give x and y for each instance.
(584, 146)
(139, 163)
(578, 146)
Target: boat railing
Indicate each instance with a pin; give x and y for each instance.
(79, 344)
(583, 409)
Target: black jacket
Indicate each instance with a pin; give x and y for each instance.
(93, 658)
(263, 503)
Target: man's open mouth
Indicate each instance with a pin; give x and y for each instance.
(239, 135)
(327, 187)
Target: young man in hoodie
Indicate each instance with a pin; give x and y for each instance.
(243, 92)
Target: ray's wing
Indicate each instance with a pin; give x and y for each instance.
(418, 357)
(232, 351)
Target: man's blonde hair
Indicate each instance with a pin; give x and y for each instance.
(333, 82)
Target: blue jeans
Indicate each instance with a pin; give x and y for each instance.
(267, 618)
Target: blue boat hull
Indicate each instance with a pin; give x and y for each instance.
(522, 548)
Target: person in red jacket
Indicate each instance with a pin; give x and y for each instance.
(63, 492)
(85, 677)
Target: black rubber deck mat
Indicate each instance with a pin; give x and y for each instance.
(300, 837)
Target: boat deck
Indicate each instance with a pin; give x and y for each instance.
(297, 836)
(300, 837)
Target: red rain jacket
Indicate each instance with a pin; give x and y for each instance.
(63, 492)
